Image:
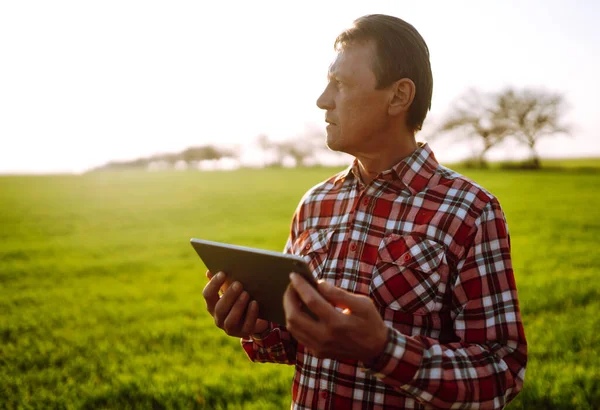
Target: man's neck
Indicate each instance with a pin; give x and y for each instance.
(372, 164)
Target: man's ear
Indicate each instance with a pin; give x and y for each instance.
(403, 94)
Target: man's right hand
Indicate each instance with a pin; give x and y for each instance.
(233, 311)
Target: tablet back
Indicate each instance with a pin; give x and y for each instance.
(264, 274)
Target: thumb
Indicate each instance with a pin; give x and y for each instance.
(337, 297)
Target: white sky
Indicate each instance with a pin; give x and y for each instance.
(83, 82)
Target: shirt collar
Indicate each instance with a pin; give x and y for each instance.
(413, 172)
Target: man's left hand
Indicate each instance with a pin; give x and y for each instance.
(358, 332)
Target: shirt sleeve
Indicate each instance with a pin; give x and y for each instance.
(485, 369)
(275, 344)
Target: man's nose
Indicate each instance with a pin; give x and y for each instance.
(325, 100)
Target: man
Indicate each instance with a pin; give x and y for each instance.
(417, 303)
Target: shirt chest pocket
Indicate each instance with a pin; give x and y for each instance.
(313, 245)
(410, 274)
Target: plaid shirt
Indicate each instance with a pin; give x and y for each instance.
(432, 250)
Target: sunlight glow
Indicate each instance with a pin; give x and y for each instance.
(83, 83)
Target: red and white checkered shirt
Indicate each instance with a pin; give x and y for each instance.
(431, 248)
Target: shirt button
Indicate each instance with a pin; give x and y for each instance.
(366, 201)
(324, 394)
(353, 247)
(407, 257)
(307, 247)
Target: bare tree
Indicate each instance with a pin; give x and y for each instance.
(294, 149)
(300, 148)
(264, 142)
(531, 114)
(474, 114)
(205, 152)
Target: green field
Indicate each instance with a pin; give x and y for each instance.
(100, 296)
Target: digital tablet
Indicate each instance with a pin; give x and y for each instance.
(265, 275)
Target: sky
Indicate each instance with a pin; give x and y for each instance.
(83, 83)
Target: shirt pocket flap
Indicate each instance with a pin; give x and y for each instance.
(411, 252)
(313, 245)
(313, 241)
(408, 274)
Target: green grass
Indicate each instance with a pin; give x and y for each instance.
(588, 164)
(569, 163)
(100, 296)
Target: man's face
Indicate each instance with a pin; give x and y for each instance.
(356, 112)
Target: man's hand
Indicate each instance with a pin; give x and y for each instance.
(357, 333)
(233, 311)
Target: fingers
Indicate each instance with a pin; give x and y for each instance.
(311, 297)
(211, 291)
(295, 318)
(231, 311)
(224, 287)
(225, 303)
(291, 303)
(249, 324)
(234, 318)
(341, 298)
(299, 323)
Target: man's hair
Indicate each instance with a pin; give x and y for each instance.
(401, 52)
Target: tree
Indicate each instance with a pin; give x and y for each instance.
(204, 152)
(531, 114)
(270, 150)
(293, 149)
(300, 148)
(264, 142)
(475, 115)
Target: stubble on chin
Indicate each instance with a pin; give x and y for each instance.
(334, 145)
(334, 142)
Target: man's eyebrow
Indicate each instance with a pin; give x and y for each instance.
(334, 75)
(331, 72)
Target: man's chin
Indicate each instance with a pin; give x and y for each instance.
(333, 143)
